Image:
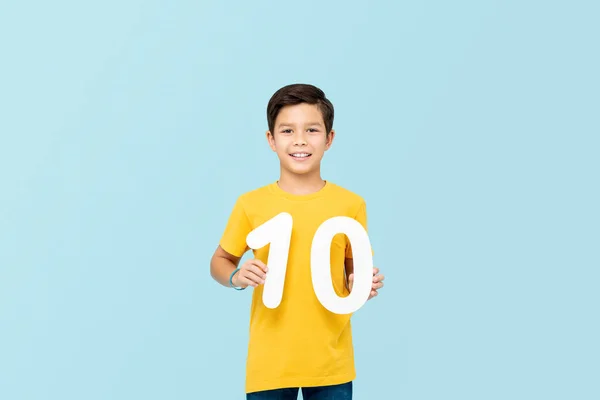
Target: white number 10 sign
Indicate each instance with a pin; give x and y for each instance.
(278, 233)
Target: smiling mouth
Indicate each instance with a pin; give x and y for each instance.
(300, 156)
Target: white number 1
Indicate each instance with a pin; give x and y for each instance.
(278, 233)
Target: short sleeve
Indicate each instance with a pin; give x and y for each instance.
(237, 229)
(361, 216)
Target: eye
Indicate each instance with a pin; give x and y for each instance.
(286, 131)
(313, 130)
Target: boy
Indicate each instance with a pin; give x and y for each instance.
(299, 344)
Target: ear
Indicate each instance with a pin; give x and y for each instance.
(271, 140)
(329, 140)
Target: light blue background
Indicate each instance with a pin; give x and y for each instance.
(129, 128)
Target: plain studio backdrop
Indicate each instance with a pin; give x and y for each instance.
(128, 129)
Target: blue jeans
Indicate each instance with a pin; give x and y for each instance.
(334, 392)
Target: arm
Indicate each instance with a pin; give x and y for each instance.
(251, 273)
(377, 278)
(349, 262)
(222, 264)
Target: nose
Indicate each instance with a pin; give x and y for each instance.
(299, 140)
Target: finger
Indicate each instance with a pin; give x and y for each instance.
(378, 278)
(252, 266)
(377, 285)
(257, 271)
(245, 281)
(252, 279)
(259, 264)
(373, 294)
(375, 271)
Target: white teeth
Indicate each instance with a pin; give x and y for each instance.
(300, 155)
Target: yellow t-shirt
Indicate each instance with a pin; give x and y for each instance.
(300, 343)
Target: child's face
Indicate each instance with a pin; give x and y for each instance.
(299, 138)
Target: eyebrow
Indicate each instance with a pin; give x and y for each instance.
(290, 124)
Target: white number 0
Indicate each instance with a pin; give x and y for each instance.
(278, 233)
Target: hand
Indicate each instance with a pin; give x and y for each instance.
(252, 273)
(377, 282)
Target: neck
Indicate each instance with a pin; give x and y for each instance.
(300, 184)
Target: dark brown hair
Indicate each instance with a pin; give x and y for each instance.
(299, 93)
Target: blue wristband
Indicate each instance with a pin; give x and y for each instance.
(231, 280)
